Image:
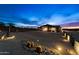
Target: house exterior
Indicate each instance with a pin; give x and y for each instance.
(50, 28)
(70, 29)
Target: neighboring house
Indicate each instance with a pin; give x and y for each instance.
(70, 29)
(50, 28)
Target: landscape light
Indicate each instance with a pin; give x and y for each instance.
(67, 39)
(59, 48)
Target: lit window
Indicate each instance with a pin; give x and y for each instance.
(53, 29)
(45, 29)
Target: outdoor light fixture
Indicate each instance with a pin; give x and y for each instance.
(67, 38)
(58, 49)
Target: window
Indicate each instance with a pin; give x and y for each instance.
(53, 29)
(44, 29)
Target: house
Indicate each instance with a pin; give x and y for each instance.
(50, 28)
(70, 29)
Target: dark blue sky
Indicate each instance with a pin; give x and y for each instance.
(39, 14)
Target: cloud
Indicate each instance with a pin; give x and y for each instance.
(73, 18)
(57, 19)
(24, 25)
(53, 20)
(33, 19)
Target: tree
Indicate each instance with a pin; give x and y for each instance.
(2, 25)
(11, 25)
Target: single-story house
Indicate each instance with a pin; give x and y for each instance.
(50, 28)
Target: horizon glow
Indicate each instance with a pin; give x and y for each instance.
(39, 14)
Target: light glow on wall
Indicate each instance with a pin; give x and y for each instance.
(53, 29)
(45, 29)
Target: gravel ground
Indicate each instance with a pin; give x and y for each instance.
(14, 46)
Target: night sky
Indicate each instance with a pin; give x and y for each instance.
(39, 14)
